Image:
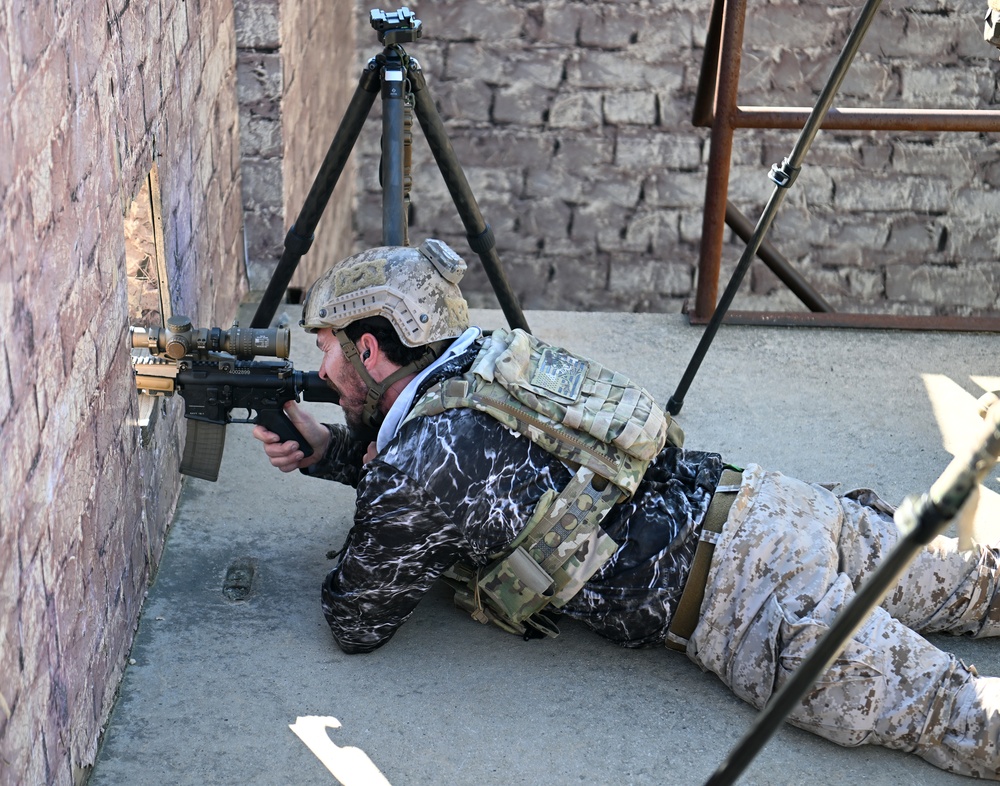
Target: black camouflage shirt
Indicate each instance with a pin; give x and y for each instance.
(459, 486)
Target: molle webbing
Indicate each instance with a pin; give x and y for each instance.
(577, 409)
(603, 459)
(593, 419)
(559, 549)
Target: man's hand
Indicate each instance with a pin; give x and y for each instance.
(287, 456)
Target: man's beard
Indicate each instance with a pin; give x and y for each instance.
(352, 403)
(361, 431)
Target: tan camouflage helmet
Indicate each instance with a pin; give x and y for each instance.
(416, 289)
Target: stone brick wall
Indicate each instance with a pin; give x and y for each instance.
(571, 119)
(90, 95)
(295, 81)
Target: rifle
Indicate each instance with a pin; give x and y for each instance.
(214, 372)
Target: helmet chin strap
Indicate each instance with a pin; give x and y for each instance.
(371, 415)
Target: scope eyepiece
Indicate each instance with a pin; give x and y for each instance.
(179, 339)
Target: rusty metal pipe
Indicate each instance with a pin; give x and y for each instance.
(780, 266)
(794, 118)
(713, 227)
(843, 319)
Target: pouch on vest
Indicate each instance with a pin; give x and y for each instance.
(550, 560)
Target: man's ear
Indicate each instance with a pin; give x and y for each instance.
(368, 347)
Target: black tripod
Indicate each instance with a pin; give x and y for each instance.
(399, 80)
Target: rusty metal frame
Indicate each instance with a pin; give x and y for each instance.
(716, 108)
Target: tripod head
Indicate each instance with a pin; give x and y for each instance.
(395, 27)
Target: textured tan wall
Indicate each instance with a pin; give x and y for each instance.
(320, 77)
(85, 89)
(296, 76)
(571, 119)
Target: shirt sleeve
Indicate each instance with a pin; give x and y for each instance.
(342, 460)
(400, 543)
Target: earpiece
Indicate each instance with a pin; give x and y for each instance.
(367, 354)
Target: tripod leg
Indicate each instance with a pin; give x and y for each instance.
(783, 178)
(393, 217)
(300, 236)
(478, 231)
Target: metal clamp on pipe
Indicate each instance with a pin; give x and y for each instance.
(785, 175)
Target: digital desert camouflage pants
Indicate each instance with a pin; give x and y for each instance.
(789, 558)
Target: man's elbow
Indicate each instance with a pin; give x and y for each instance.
(351, 648)
(358, 645)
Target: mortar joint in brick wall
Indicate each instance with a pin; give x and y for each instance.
(260, 50)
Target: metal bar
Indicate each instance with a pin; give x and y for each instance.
(720, 63)
(780, 266)
(842, 319)
(870, 119)
(713, 226)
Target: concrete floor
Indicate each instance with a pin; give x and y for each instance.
(216, 683)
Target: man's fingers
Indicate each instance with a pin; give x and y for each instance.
(314, 432)
(288, 456)
(285, 456)
(299, 417)
(264, 435)
(276, 450)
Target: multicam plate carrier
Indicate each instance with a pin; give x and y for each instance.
(592, 418)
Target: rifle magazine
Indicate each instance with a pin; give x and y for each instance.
(203, 449)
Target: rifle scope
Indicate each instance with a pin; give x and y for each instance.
(179, 339)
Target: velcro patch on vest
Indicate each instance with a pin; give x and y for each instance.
(560, 374)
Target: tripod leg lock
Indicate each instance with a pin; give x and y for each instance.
(785, 175)
(482, 242)
(297, 244)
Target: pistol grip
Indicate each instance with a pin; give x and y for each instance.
(278, 422)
